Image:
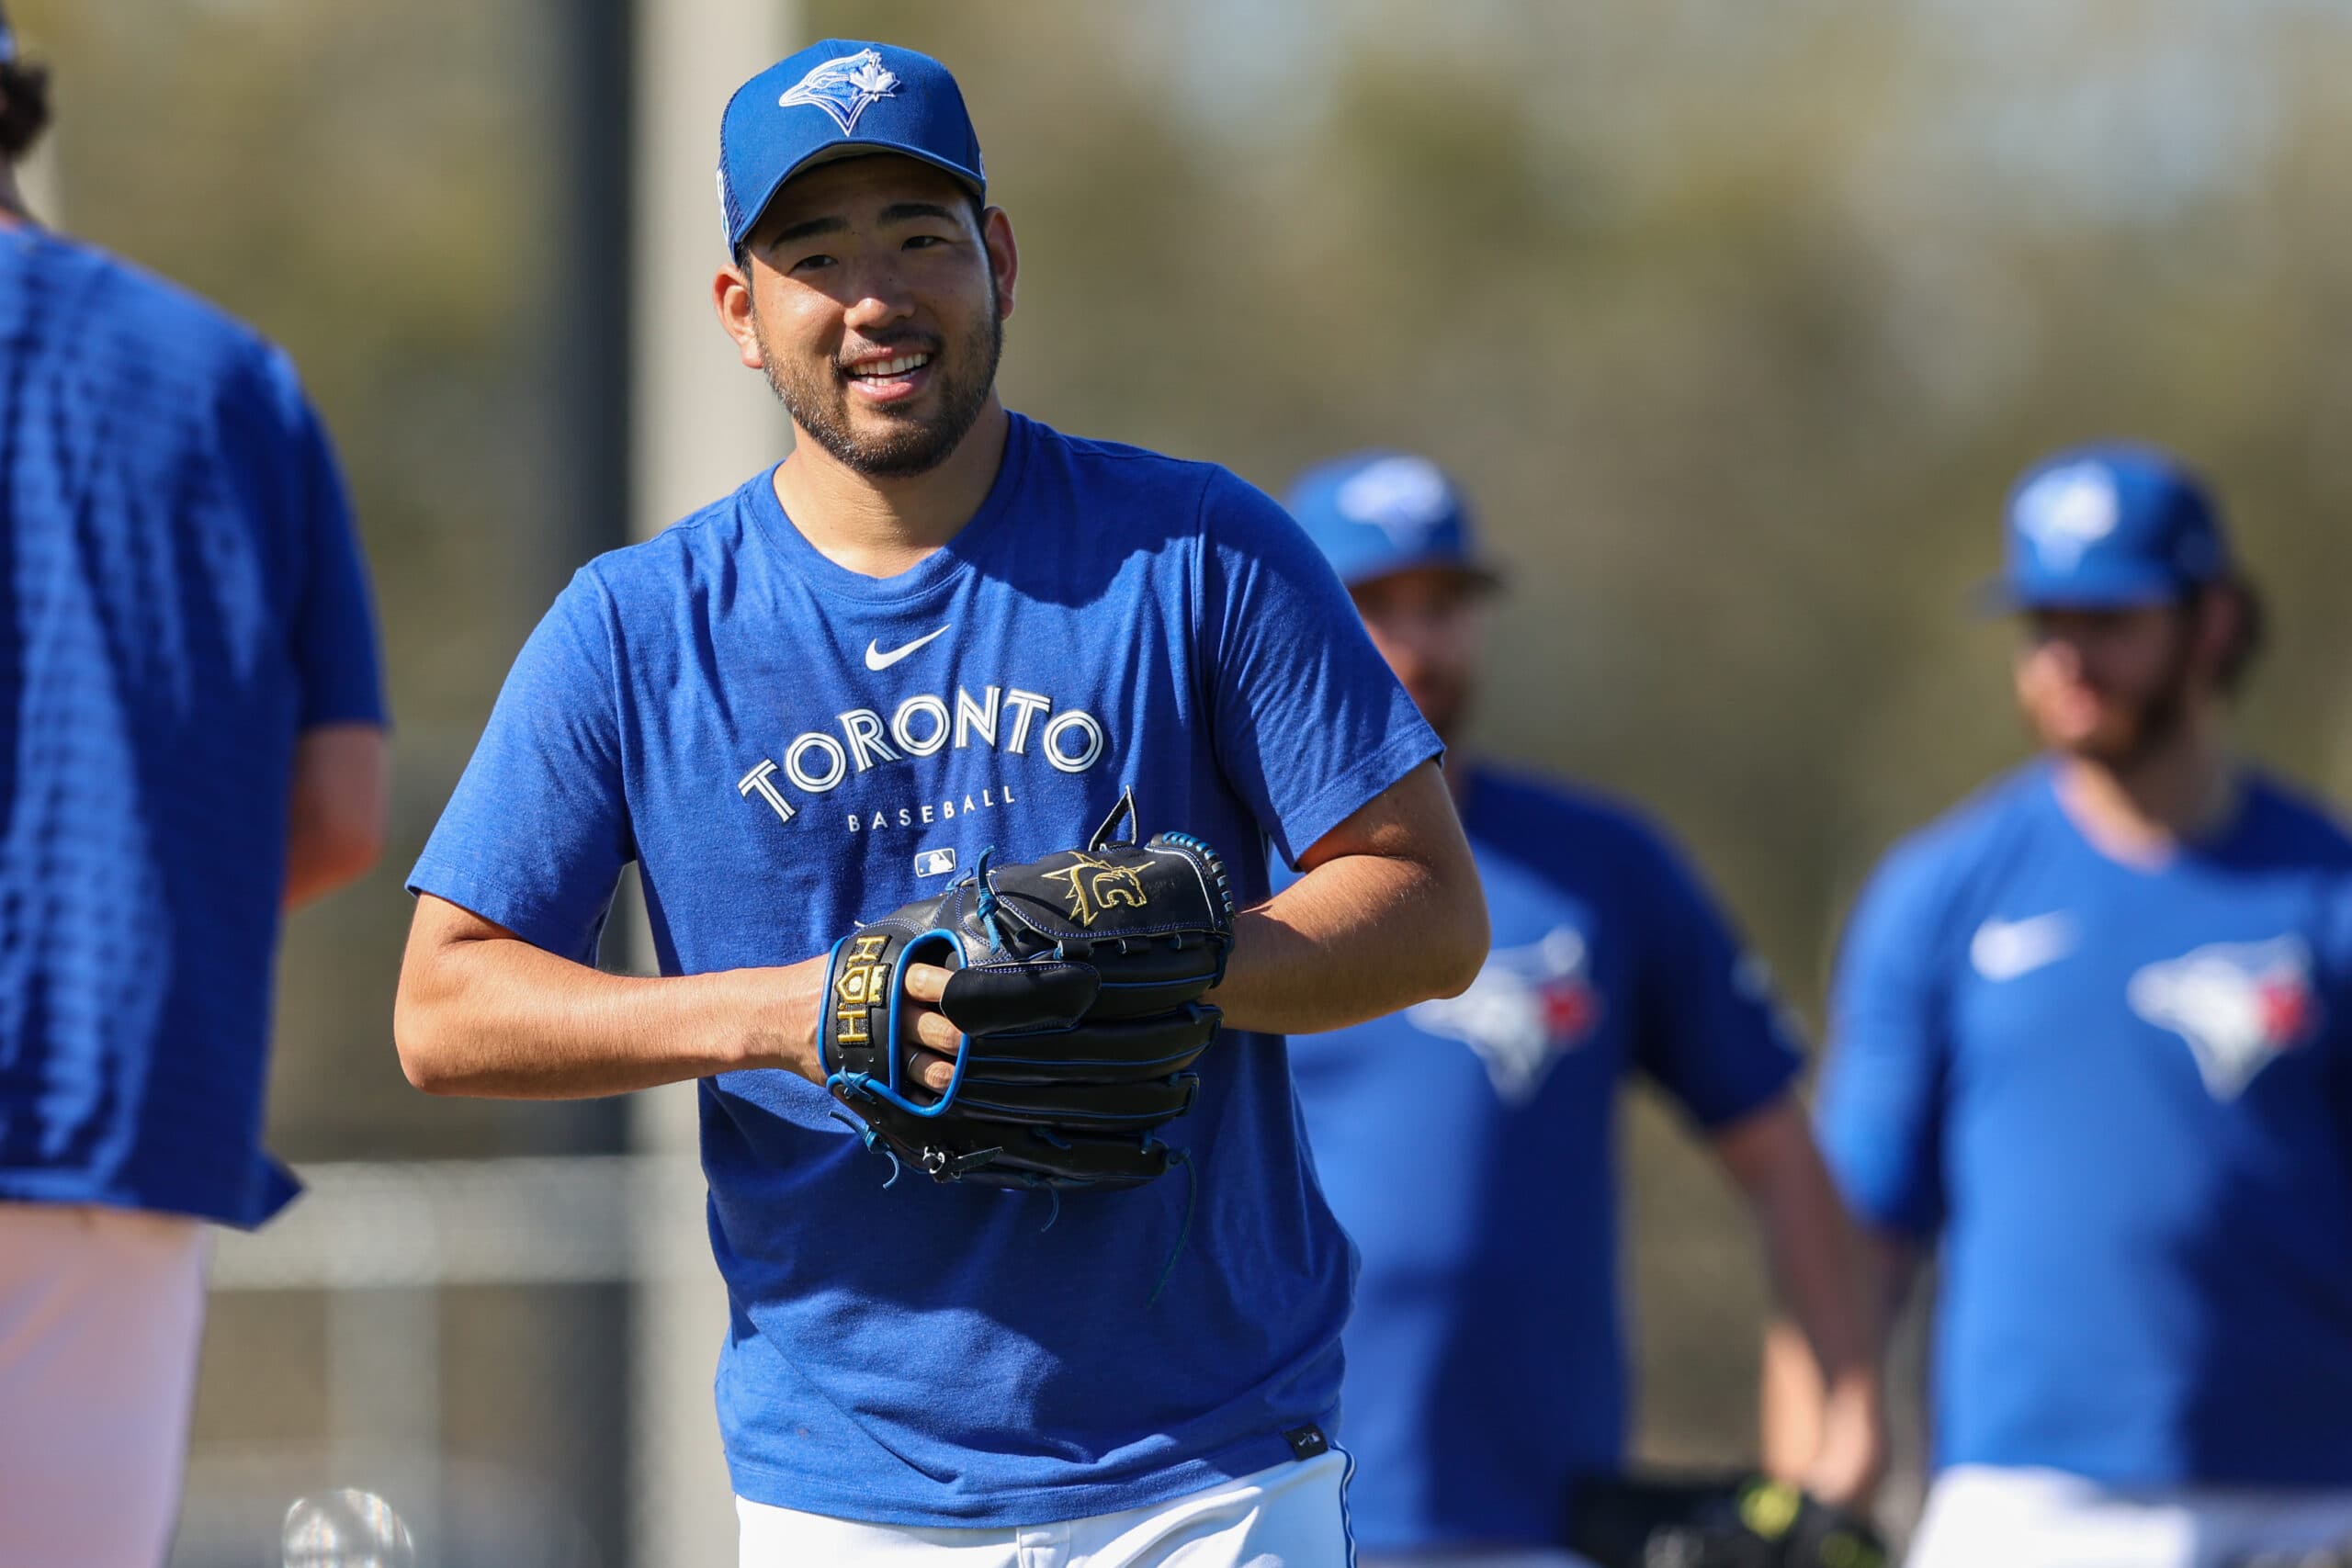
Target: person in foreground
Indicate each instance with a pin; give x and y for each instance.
(1486, 1379)
(2092, 1040)
(919, 664)
(191, 743)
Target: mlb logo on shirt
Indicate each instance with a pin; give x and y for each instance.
(935, 862)
(2238, 1005)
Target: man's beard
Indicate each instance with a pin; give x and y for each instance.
(2154, 720)
(820, 404)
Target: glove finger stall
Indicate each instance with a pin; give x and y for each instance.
(994, 997)
(1110, 1051)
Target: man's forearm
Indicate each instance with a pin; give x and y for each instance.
(496, 1017)
(1359, 936)
(1815, 1273)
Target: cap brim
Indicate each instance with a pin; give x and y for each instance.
(840, 151)
(2003, 596)
(1485, 579)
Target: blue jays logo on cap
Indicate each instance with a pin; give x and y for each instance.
(2066, 511)
(1403, 497)
(843, 87)
(838, 98)
(2108, 526)
(1378, 513)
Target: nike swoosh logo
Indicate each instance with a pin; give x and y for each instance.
(2004, 950)
(878, 660)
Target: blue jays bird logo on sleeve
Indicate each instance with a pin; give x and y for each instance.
(843, 88)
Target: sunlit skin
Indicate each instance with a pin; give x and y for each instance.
(1430, 624)
(856, 264)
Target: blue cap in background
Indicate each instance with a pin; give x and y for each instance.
(2111, 526)
(1378, 513)
(836, 99)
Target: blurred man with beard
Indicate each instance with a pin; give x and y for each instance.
(2092, 1039)
(1469, 1143)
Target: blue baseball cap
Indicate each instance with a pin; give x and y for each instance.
(1378, 513)
(838, 98)
(2110, 526)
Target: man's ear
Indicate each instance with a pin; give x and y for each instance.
(731, 295)
(2222, 615)
(1004, 256)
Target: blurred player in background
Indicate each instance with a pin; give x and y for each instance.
(191, 741)
(937, 627)
(1468, 1144)
(2092, 1037)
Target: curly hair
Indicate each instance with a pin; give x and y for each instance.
(24, 106)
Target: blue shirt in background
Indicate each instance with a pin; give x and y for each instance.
(785, 746)
(183, 596)
(2122, 1099)
(1468, 1146)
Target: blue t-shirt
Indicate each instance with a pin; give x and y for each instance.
(1467, 1145)
(2122, 1097)
(183, 596)
(785, 747)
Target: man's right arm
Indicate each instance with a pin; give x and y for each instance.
(1797, 1411)
(481, 1012)
(1880, 1124)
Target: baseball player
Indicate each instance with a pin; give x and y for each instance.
(1485, 1362)
(191, 740)
(938, 640)
(2092, 1038)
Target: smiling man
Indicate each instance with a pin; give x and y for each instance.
(938, 627)
(2092, 1034)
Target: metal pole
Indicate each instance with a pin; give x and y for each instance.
(700, 424)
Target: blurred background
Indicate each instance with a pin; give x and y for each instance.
(1735, 320)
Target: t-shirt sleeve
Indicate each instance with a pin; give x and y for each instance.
(1310, 723)
(1881, 1109)
(1712, 1031)
(331, 623)
(537, 832)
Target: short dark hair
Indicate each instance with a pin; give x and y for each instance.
(24, 106)
(2253, 632)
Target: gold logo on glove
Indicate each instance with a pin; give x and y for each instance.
(859, 987)
(1096, 885)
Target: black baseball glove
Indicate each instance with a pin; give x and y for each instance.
(1718, 1522)
(1076, 985)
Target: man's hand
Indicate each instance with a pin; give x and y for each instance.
(1841, 1453)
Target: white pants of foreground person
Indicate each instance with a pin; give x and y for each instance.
(1292, 1516)
(1978, 1515)
(101, 1310)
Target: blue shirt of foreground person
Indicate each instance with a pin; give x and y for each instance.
(191, 743)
